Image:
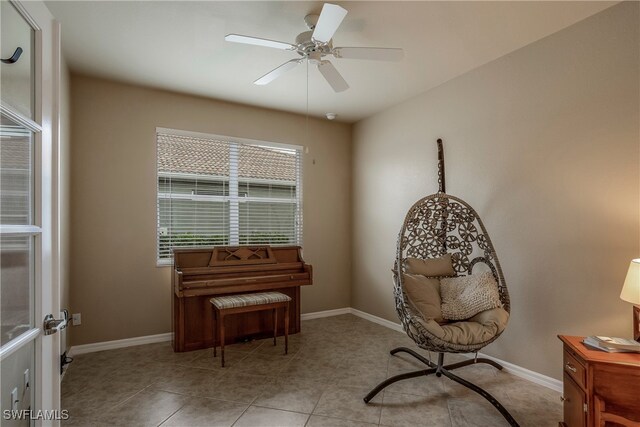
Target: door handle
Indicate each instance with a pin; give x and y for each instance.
(50, 325)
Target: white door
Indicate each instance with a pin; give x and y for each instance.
(29, 361)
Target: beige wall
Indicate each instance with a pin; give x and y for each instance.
(114, 279)
(544, 143)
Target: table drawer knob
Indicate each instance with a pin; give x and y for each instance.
(571, 368)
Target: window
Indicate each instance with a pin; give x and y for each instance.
(215, 190)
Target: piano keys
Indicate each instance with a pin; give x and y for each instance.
(201, 273)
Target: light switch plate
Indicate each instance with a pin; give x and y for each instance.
(76, 319)
(14, 399)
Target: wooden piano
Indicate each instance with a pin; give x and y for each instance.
(201, 273)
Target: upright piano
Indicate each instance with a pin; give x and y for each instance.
(201, 273)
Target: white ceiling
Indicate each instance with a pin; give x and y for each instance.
(179, 46)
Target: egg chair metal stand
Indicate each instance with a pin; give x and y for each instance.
(434, 226)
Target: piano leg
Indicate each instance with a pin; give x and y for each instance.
(275, 325)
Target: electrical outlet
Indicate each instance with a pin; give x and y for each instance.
(77, 319)
(14, 399)
(26, 379)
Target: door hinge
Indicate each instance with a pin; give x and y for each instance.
(585, 407)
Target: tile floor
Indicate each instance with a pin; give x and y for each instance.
(331, 365)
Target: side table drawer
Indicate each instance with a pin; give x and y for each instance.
(574, 369)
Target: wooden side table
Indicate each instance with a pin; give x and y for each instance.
(599, 387)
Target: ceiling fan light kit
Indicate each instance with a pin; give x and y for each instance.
(316, 44)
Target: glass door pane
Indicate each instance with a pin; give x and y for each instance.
(16, 173)
(16, 286)
(17, 240)
(17, 79)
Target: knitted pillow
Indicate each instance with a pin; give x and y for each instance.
(465, 296)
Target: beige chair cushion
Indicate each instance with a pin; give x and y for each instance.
(424, 295)
(430, 267)
(480, 328)
(466, 296)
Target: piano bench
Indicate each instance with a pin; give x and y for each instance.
(245, 303)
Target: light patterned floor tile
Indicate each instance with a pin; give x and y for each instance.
(261, 364)
(292, 395)
(199, 412)
(320, 421)
(411, 410)
(267, 417)
(188, 381)
(147, 408)
(332, 365)
(346, 402)
(239, 387)
(207, 361)
(474, 411)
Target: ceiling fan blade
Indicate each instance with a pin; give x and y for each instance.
(330, 19)
(332, 76)
(237, 38)
(277, 72)
(374, 53)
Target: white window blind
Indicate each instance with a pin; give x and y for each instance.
(215, 190)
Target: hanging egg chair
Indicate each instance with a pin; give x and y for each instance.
(436, 226)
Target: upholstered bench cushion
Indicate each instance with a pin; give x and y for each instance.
(245, 300)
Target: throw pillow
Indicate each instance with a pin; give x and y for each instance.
(431, 267)
(424, 295)
(465, 296)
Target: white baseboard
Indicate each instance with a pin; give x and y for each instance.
(350, 310)
(325, 313)
(516, 370)
(527, 374)
(111, 345)
(379, 320)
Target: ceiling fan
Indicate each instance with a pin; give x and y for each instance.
(316, 44)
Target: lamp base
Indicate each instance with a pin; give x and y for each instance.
(636, 323)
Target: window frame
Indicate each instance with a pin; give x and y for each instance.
(164, 262)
